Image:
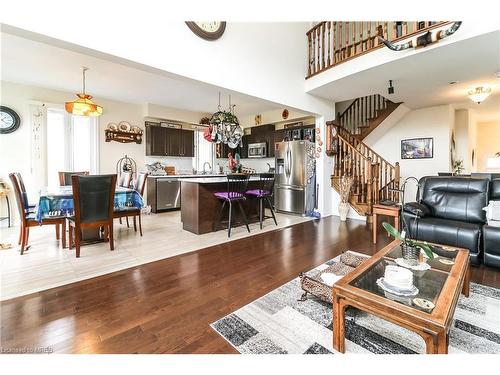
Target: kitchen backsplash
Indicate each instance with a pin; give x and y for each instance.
(260, 164)
(180, 164)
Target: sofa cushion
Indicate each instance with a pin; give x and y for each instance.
(445, 232)
(455, 198)
(491, 246)
(495, 189)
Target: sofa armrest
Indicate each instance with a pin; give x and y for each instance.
(415, 208)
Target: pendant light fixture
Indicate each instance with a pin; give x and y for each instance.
(479, 94)
(83, 106)
(225, 127)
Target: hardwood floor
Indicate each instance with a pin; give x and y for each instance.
(167, 306)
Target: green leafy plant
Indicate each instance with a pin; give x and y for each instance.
(408, 241)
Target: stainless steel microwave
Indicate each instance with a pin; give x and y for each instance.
(257, 150)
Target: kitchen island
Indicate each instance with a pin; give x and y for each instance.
(200, 208)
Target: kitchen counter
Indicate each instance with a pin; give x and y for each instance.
(186, 175)
(200, 208)
(212, 180)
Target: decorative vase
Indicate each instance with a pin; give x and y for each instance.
(343, 210)
(410, 254)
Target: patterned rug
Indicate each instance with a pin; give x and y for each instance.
(278, 323)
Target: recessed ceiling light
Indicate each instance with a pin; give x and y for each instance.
(453, 82)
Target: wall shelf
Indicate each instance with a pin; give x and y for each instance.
(123, 137)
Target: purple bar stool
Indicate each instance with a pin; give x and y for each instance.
(236, 187)
(263, 193)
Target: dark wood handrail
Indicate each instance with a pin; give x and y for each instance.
(333, 42)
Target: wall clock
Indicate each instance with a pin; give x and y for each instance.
(208, 30)
(9, 120)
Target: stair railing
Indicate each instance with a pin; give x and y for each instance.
(361, 111)
(333, 42)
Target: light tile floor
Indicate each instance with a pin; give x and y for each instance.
(45, 265)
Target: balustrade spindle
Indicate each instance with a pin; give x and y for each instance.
(329, 43)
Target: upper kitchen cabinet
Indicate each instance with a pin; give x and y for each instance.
(162, 141)
(156, 140)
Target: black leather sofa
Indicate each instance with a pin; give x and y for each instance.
(452, 213)
(491, 234)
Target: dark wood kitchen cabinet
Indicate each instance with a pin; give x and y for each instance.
(163, 141)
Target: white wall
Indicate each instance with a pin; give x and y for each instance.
(488, 143)
(15, 147)
(432, 122)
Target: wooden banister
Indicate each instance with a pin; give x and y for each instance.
(332, 43)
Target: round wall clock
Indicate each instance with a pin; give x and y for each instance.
(9, 120)
(208, 30)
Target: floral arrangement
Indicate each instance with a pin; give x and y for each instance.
(405, 240)
(346, 183)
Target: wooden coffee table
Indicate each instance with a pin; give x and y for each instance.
(441, 285)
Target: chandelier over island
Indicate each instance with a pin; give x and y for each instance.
(224, 127)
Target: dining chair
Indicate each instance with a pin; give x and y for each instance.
(135, 212)
(93, 198)
(65, 177)
(29, 207)
(28, 218)
(124, 181)
(236, 187)
(263, 193)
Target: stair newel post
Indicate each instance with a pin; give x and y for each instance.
(369, 185)
(397, 177)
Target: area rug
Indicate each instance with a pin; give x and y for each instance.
(279, 323)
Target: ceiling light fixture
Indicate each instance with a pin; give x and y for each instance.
(83, 106)
(479, 94)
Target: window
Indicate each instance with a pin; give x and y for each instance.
(203, 151)
(71, 144)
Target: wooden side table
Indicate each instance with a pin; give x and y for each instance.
(380, 209)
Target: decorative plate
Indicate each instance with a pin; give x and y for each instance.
(419, 267)
(399, 292)
(136, 129)
(124, 126)
(112, 126)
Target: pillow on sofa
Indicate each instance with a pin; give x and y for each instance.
(493, 211)
(416, 208)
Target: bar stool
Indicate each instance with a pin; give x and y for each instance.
(236, 188)
(263, 193)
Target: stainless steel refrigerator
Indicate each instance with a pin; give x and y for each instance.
(295, 177)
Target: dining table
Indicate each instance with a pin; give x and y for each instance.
(58, 201)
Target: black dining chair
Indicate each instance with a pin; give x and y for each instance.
(263, 193)
(135, 212)
(28, 219)
(94, 198)
(65, 177)
(236, 187)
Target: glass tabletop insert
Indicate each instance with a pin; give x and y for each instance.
(429, 283)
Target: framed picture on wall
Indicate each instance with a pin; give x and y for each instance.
(417, 148)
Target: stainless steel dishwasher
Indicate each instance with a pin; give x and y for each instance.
(168, 193)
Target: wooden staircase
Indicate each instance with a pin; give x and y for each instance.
(374, 177)
(365, 114)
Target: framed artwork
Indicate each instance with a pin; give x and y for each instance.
(417, 148)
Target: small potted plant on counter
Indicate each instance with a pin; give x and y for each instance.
(409, 247)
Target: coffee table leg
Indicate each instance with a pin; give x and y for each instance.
(338, 324)
(442, 344)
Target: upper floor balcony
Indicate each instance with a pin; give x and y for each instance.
(331, 43)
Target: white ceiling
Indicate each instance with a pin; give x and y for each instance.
(422, 80)
(46, 65)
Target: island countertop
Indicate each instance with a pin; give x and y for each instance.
(212, 180)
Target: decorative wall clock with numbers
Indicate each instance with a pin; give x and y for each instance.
(208, 30)
(9, 120)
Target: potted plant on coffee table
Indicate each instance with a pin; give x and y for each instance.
(409, 247)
